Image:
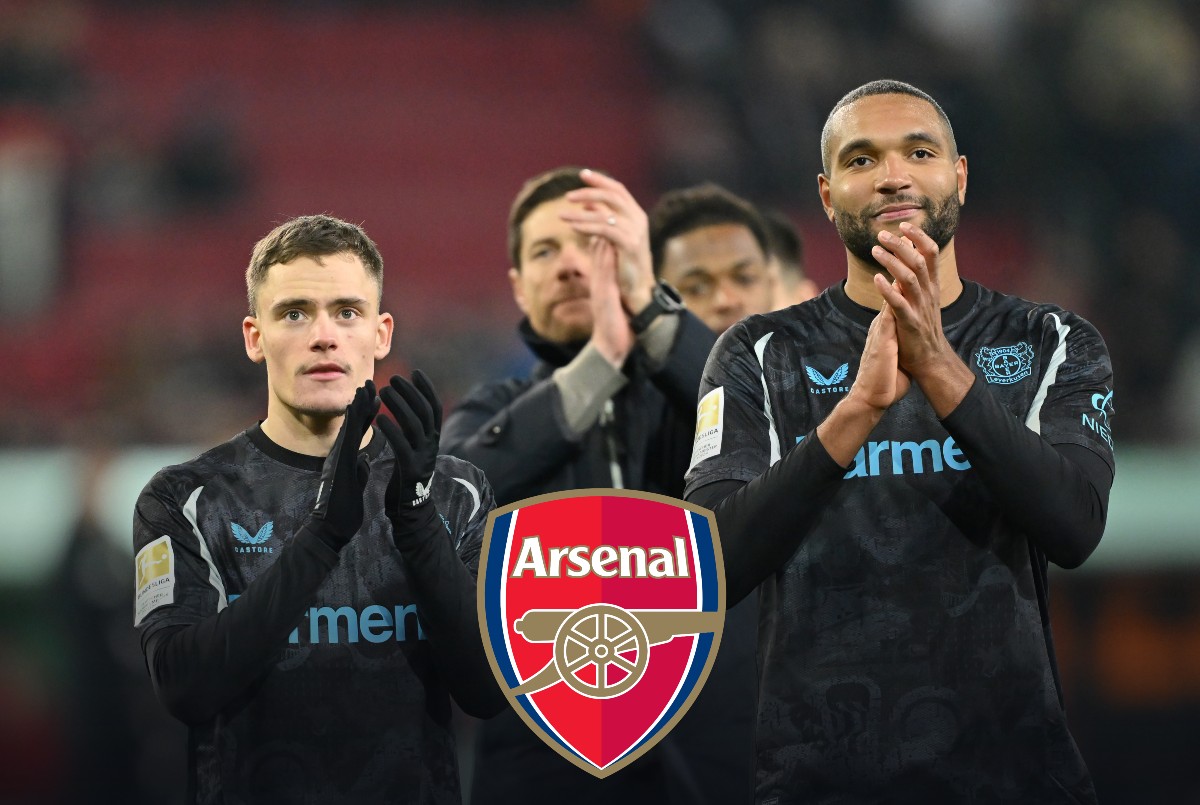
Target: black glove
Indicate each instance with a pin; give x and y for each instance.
(339, 508)
(414, 439)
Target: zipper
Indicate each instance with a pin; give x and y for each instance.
(607, 417)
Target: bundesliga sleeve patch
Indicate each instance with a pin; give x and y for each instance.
(710, 421)
(155, 587)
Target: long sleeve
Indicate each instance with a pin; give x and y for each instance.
(444, 588)
(514, 432)
(678, 377)
(1056, 494)
(763, 522)
(200, 668)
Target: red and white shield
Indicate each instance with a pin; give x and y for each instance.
(602, 611)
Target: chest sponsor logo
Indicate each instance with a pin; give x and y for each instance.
(834, 384)
(1005, 365)
(906, 458)
(602, 611)
(252, 543)
(155, 584)
(710, 422)
(373, 624)
(1096, 420)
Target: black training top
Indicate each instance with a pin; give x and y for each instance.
(904, 640)
(308, 675)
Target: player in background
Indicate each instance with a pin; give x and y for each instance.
(713, 246)
(786, 263)
(610, 403)
(893, 464)
(305, 592)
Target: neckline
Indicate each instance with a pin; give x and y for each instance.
(952, 313)
(300, 460)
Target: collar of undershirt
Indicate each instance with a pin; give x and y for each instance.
(300, 460)
(951, 314)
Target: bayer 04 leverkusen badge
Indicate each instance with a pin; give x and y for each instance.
(602, 611)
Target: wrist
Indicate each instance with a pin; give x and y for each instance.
(847, 427)
(639, 299)
(944, 382)
(857, 406)
(663, 299)
(410, 525)
(613, 354)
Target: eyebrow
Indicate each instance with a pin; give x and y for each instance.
(692, 271)
(546, 241)
(865, 143)
(301, 302)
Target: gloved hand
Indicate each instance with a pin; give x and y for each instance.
(414, 439)
(339, 507)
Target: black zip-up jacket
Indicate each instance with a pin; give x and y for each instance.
(515, 431)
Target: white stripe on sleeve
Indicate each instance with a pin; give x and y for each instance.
(214, 577)
(1034, 420)
(759, 349)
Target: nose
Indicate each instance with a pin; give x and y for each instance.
(893, 174)
(574, 261)
(324, 332)
(725, 298)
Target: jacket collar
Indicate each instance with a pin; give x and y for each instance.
(552, 352)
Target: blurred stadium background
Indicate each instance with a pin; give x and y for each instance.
(145, 146)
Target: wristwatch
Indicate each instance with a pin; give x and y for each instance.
(663, 299)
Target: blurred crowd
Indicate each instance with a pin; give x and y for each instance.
(1080, 120)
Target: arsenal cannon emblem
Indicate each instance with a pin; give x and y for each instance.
(602, 611)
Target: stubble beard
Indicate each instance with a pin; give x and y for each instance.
(570, 332)
(565, 330)
(941, 222)
(319, 409)
(320, 413)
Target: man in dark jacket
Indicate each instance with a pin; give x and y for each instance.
(611, 403)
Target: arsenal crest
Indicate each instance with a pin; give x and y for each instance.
(602, 610)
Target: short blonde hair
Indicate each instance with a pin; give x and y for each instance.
(310, 236)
